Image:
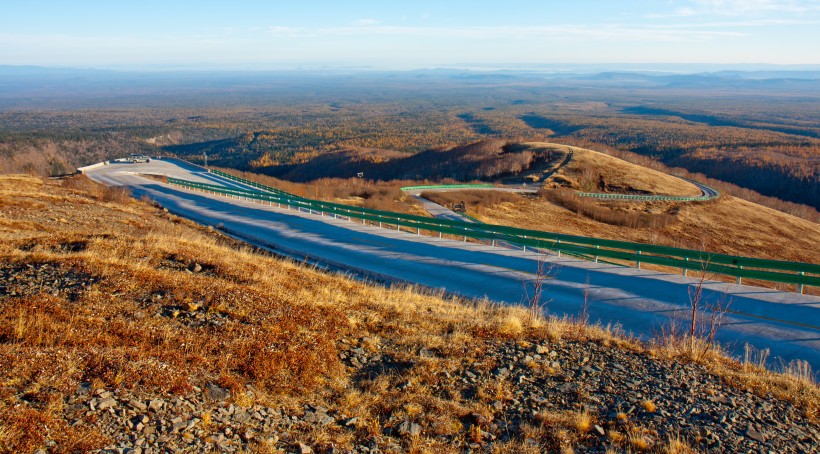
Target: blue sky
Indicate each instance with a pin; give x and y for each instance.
(241, 34)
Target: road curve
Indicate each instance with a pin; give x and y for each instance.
(639, 301)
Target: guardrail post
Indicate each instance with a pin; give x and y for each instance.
(800, 286)
(418, 231)
(686, 270)
(596, 257)
(739, 280)
(524, 249)
(439, 231)
(638, 262)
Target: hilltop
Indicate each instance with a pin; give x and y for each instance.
(727, 225)
(592, 171)
(125, 326)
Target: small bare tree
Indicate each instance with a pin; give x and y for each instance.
(706, 316)
(584, 316)
(534, 288)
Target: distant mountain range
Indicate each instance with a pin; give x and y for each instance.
(33, 86)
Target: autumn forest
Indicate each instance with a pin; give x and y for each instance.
(757, 132)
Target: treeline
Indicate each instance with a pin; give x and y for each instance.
(483, 160)
(739, 133)
(48, 157)
(767, 178)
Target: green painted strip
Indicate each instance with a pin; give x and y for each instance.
(449, 186)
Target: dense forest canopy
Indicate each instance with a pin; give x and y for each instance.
(760, 131)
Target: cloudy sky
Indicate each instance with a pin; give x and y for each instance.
(245, 34)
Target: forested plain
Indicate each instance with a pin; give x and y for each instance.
(758, 131)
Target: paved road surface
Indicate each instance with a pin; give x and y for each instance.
(640, 301)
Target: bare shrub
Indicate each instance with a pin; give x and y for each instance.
(474, 200)
(534, 288)
(588, 207)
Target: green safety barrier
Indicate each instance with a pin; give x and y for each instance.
(597, 195)
(244, 181)
(737, 266)
(666, 198)
(449, 186)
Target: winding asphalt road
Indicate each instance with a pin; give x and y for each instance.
(641, 302)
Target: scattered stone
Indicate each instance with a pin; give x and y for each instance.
(409, 428)
(156, 405)
(106, 403)
(755, 435)
(215, 392)
(610, 384)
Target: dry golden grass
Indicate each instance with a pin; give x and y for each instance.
(582, 421)
(787, 385)
(638, 440)
(280, 322)
(592, 209)
(677, 445)
(381, 195)
(281, 327)
(587, 168)
(728, 225)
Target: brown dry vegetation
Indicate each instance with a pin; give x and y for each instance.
(592, 171)
(281, 324)
(727, 225)
(276, 325)
(794, 209)
(382, 195)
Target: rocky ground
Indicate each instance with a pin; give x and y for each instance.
(632, 402)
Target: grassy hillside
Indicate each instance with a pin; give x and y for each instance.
(123, 326)
(728, 225)
(592, 171)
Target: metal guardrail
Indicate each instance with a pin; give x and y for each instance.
(710, 193)
(246, 182)
(740, 267)
(666, 198)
